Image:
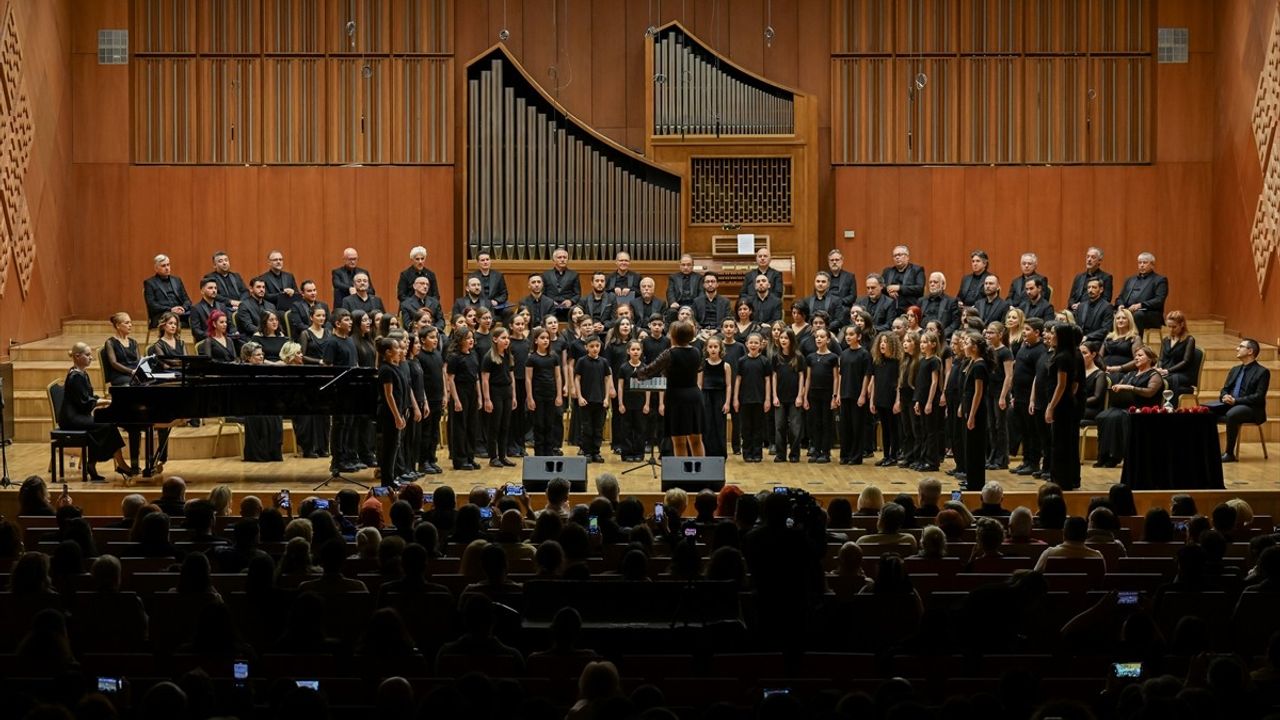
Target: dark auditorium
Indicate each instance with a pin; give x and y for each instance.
(639, 360)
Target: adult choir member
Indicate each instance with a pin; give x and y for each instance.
(343, 278)
(903, 280)
(120, 359)
(231, 286)
(1096, 383)
(991, 307)
(623, 283)
(1139, 388)
(1034, 301)
(164, 292)
(270, 335)
(204, 307)
(420, 299)
(561, 284)
(1018, 288)
(1022, 422)
(249, 314)
(823, 300)
(339, 350)
(166, 348)
(843, 283)
(263, 434)
(1244, 395)
(417, 268)
(217, 343)
(493, 285)
(971, 284)
(765, 306)
(647, 303)
(878, 305)
(1094, 314)
(682, 286)
(710, 308)
(1062, 413)
(298, 317)
(362, 297)
(537, 303)
(1092, 271)
(1178, 355)
(1144, 294)
(76, 413)
(763, 259)
(683, 420)
(282, 288)
(937, 305)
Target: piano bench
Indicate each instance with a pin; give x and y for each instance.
(59, 441)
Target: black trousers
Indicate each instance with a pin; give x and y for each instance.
(519, 423)
(364, 434)
(788, 426)
(821, 422)
(853, 423)
(1044, 437)
(1235, 416)
(1022, 423)
(735, 431)
(633, 427)
(547, 426)
(410, 440)
(342, 441)
(908, 448)
(975, 452)
(888, 430)
(429, 441)
(932, 434)
(388, 447)
(1065, 434)
(751, 416)
(713, 435)
(955, 432)
(312, 433)
(592, 429)
(462, 428)
(498, 424)
(997, 433)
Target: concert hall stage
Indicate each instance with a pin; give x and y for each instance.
(1254, 479)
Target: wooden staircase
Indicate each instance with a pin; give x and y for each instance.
(39, 363)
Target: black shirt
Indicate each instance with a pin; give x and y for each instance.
(520, 349)
(752, 372)
(499, 374)
(733, 353)
(631, 399)
(977, 371)
(596, 375)
(545, 368)
(465, 370)
(432, 374)
(1063, 363)
(822, 371)
(854, 365)
(713, 375)
(340, 351)
(924, 380)
(1024, 370)
(1046, 380)
(654, 347)
(885, 374)
(1003, 354)
(389, 374)
(787, 378)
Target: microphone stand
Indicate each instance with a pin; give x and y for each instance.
(5, 482)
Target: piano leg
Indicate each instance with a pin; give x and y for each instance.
(150, 464)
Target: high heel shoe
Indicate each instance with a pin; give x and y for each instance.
(125, 471)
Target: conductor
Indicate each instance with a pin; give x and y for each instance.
(680, 364)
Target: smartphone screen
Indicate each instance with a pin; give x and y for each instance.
(513, 489)
(109, 684)
(308, 684)
(690, 531)
(1126, 669)
(780, 489)
(493, 492)
(322, 504)
(770, 692)
(427, 497)
(381, 491)
(957, 496)
(593, 525)
(657, 511)
(1127, 598)
(240, 670)
(486, 513)
(284, 499)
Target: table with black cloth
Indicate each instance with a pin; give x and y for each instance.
(1173, 451)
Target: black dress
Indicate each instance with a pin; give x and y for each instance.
(76, 413)
(1065, 431)
(1113, 423)
(126, 355)
(271, 345)
(167, 352)
(975, 440)
(230, 352)
(312, 431)
(682, 399)
(263, 437)
(1180, 360)
(1095, 395)
(1118, 352)
(714, 392)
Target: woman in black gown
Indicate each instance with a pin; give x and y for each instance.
(120, 359)
(366, 356)
(1062, 413)
(218, 345)
(1139, 388)
(270, 336)
(1095, 381)
(973, 404)
(1178, 355)
(263, 434)
(1117, 349)
(76, 413)
(167, 348)
(683, 401)
(312, 431)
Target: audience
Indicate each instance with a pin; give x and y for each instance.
(1074, 532)
(992, 496)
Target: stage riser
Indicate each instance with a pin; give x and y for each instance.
(184, 443)
(1214, 374)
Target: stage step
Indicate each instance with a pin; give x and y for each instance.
(1214, 373)
(185, 443)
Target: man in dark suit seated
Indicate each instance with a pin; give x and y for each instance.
(647, 302)
(710, 308)
(880, 306)
(623, 283)
(971, 284)
(561, 284)
(417, 268)
(1092, 270)
(682, 286)
(421, 299)
(937, 305)
(363, 297)
(231, 287)
(1094, 315)
(300, 313)
(249, 316)
(599, 303)
(282, 288)
(1033, 302)
(903, 280)
(1144, 294)
(1017, 289)
(344, 278)
(763, 258)
(492, 283)
(472, 298)
(765, 306)
(1244, 395)
(991, 307)
(540, 306)
(164, 292)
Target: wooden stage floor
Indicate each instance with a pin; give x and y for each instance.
(1252, 476)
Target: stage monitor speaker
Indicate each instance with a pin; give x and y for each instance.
(538, 470)
(693, 473)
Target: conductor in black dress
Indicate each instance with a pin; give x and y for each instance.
(76, 413)
(683, 400)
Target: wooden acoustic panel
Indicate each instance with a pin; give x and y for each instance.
(17, 136)
(1264, 236)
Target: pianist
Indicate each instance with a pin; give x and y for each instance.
(76, 413)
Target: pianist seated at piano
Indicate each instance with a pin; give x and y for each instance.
(263, 434)
(76, 413)
(217, 344)
(270, 335)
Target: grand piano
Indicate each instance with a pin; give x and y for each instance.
(198, 387)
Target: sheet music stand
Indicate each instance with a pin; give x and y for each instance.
(655, 384)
